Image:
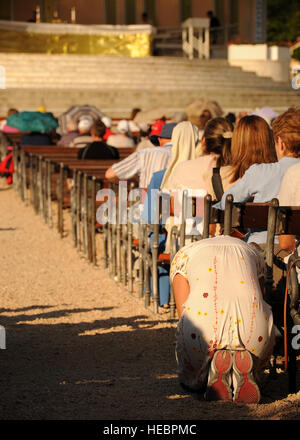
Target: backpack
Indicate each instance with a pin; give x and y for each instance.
(217, 184)
(7, 167)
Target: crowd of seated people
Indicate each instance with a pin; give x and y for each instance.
(225, 334)
(253, 156)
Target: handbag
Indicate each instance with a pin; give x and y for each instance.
(217, 184)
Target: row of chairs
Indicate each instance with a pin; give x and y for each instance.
(55, 174)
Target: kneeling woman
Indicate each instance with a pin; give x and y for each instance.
(225, 334)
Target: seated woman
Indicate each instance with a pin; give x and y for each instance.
(196, 175)
(184, 141)
(262, 179)
(225, 334)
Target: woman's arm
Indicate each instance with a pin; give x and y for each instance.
(242, 191)
(181, 289)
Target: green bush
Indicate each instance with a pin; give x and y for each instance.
(283, 23)
(296, 54)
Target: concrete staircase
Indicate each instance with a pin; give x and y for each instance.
(117, 84)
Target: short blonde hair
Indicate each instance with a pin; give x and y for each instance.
(287, 127)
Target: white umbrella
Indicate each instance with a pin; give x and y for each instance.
(76, 113)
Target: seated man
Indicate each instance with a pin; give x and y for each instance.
(98, 149)
(122, 139)
(84, 137)
(72, 133)
(108, 124)
(143, 140)
(145, 162)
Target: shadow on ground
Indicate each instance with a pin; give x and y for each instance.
(110, 369)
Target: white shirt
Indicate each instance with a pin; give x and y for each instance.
(143, 163)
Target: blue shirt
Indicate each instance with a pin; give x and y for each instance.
(153, 188)
(262, 181)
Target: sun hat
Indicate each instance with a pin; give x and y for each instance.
(85, 124)
(143, 126)
(133, 127)
(107, 121)
(123, 126)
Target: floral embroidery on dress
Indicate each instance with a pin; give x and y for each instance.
(179, 264)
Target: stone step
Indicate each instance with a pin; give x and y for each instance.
(148, 85)
(117, 84)
(109, 59)
(119, 104)
(138, 78)
(141, 78)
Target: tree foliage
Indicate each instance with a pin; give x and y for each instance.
(283, 22)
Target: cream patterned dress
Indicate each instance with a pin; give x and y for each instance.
(225, 308)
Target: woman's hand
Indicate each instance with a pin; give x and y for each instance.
(287, 242)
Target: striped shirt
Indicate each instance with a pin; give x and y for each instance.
(143, 163)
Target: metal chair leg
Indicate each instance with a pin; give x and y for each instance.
(93, 221)
(78, 209)
(141, 263)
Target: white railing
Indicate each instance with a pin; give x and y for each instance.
(195, 38)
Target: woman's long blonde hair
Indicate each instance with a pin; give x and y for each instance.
(252, 142)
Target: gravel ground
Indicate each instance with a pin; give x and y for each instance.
(80, 347)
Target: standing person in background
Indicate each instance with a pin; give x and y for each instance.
(145, 18)
(134, 112)
(214, 24)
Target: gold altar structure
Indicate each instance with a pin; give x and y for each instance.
(62, 38)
